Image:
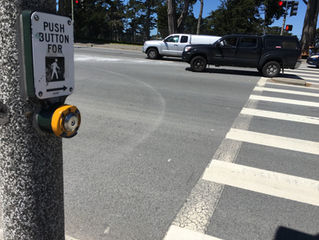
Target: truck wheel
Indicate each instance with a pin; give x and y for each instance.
(198, 64)
(271, 69)
(152, 53)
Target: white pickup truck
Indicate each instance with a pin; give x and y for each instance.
(174, 44)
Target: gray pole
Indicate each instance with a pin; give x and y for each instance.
(30, 161)
(284, 21)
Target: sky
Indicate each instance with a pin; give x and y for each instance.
(296, 21)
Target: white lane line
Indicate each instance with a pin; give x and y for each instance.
(280, 116)
(290, 85)
(178, 233)
(284, 100)
(262, 181)
(303, 70)
(311, 79)
(275, 141)
(303, 74)
(286, 91)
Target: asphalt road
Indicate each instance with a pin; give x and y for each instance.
(149, 129)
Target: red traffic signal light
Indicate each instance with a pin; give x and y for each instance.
(288, 27)
(76, 1)
(280, 3)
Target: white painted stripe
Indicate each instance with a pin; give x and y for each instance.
(292, 86)
(314, 84)
(262, 181)
(70, 238)
(280, 116)
(275, 141)
(303, 70)
(265, 89)
(311, 79)
(178, 233)
(284, 100)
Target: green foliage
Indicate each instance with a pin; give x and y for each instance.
(236, 16)
(242, 16)
(98, 20)
(114, 21)
(162, 26)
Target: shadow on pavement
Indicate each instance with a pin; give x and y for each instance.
(230, 71)
(244, 72)
(284, 233)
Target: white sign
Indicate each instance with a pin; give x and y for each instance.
(53, 55)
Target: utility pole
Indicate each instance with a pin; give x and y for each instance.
(31, 165)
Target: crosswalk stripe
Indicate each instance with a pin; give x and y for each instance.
(306, 70)
(265, 89)
(313, 83)
(311, 79)
(262, 181)
(178, 233)
(284, 100)
(280, 116)
(275, 141)
(290, 85)
(303, 74)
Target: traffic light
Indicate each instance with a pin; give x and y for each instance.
(76, 1)
(294, 8)
(288, 27)
(281, 3)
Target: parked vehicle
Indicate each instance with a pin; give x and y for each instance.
(313, 60)
(174, 44)
(268, 53)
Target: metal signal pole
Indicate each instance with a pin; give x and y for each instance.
(284, 21)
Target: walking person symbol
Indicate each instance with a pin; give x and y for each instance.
(54, 68)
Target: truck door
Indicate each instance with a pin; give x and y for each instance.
(226, 51)
(171, 45)
(182, 44)
(247, 52)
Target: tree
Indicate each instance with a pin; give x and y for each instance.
(310, 23)
(64, 7)
(242, 16)
(171, 16)
(181, 19)
(236, 16)
(200, 16)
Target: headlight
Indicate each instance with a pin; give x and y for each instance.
(187, 48)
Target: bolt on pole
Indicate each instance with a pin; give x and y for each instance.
(31, 165)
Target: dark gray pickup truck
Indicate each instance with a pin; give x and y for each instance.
(268, 53)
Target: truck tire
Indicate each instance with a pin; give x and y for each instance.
(198, 64)
(271, 69)
(152, 53)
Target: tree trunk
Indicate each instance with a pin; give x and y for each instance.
(310, 24)
(147, 28)
(65, 8)
(181, 19)
(171, 16)
(200, 16)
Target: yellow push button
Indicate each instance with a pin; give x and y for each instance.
(66, 121)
